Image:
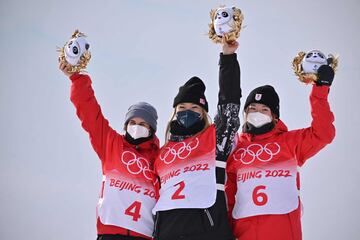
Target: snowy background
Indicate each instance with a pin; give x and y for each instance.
(144, 50)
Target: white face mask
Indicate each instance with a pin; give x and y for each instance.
(137, 131)
(258, 119)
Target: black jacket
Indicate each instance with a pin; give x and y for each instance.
(210, 223)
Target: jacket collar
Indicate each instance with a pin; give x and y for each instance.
(152, 144)
(279, 128)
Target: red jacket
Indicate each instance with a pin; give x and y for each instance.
(107, 143)
(262, 178)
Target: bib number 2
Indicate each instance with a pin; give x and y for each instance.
(134, 211)
(259, 198)
(177, 194)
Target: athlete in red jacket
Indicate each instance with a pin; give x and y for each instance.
(262, 173)
(128, 193)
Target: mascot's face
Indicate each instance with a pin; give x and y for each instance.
(223, 16)
(312, 61)
(223, 22)
(74, 49)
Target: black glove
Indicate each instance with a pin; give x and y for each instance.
(330, 60)
(325, 76)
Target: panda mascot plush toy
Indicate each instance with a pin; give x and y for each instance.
(225, 24)
(306, 65)
(76, 52)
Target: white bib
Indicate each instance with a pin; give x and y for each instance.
(193, 187)
(126, 203)
(187, 173)
(271, 190)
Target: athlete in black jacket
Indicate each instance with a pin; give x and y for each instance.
(191, 165)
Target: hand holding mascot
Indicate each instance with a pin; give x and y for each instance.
(75, 55)
(225, 24)
(313, 67)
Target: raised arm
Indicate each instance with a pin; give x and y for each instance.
(227, 119)
(89, 111)
(309, 141)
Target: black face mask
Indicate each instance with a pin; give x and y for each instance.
(187, 118)
(137, 141)
(180, 130)
(249, 128)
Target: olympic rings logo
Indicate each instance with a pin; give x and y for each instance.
(257, 151)
(180, 150)
(135, 165)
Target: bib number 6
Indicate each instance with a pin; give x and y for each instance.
(259, 198)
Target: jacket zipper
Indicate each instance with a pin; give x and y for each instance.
(209, 217)
(155, 225)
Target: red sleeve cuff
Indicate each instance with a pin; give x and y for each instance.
(320, 91)
(76, 76)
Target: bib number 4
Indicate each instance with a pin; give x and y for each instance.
(134, 211)
(259, 198)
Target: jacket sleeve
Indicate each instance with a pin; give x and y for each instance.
(230, 191)
(227, 120)
(309, 141)
(89, 113)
